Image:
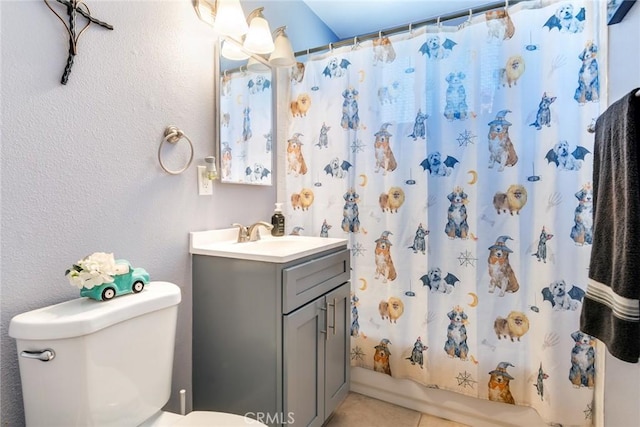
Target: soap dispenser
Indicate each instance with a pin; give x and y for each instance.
(277, 220)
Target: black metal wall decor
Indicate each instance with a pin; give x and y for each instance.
(73, 8)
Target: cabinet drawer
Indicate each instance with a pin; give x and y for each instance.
(304, 282)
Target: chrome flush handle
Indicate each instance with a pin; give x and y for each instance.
(43, 355)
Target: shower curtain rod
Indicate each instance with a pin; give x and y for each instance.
(407, 27)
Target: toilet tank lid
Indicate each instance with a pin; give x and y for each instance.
(83, 316)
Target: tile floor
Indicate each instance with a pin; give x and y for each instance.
(362, 411)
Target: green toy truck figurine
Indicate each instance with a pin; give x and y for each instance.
(126, 280)
(101, 277)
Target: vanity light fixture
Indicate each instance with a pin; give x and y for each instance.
(226, 16)
(244, 37)
(258, 39)
(211, 173)
(282, 55)
(233, 51)
(257, 66)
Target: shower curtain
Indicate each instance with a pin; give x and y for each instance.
(245, 127)
(457, 161)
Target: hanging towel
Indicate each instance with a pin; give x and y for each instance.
(611, 309)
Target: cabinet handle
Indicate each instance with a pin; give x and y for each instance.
(325, 322)
(334, 316)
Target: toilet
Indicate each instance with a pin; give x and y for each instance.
(105, 363)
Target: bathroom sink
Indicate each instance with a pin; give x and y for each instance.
(223, 243)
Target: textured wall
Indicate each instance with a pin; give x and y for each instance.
(79, 168)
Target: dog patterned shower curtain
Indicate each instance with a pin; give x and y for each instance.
(245, 127)
(457, 161)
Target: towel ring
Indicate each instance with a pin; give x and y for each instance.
(172, 134)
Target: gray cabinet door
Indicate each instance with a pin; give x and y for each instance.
(303, 352)
(337, 347)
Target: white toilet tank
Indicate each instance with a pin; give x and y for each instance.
(113, 359)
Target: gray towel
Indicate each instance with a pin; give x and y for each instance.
(611, 309)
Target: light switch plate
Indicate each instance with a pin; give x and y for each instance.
(205, 186)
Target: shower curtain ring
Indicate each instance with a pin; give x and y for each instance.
(410, 28)
(470, 14)
(438, 22)
(331, 47)
(506, 4)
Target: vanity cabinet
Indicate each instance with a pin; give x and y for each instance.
(271, 340)
(314, 355)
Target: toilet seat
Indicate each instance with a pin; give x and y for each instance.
(216, 419)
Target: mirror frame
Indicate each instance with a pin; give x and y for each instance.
(218, 113)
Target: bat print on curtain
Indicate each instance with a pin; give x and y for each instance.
(457, 162)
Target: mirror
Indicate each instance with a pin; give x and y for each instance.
(245, 120)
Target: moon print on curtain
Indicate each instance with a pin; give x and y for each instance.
(457, 162)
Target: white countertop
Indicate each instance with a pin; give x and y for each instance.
(223, 243)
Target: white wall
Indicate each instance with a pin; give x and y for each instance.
(622, 380)
(79, 168)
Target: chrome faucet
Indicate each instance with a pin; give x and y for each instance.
(243, 232)
(253, 233)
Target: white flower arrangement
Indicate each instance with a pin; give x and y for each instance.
(93, 270)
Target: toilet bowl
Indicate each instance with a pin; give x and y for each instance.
(105, 363)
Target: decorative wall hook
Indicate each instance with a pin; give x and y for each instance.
(73, 8)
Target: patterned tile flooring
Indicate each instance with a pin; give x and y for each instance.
(362, 411)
